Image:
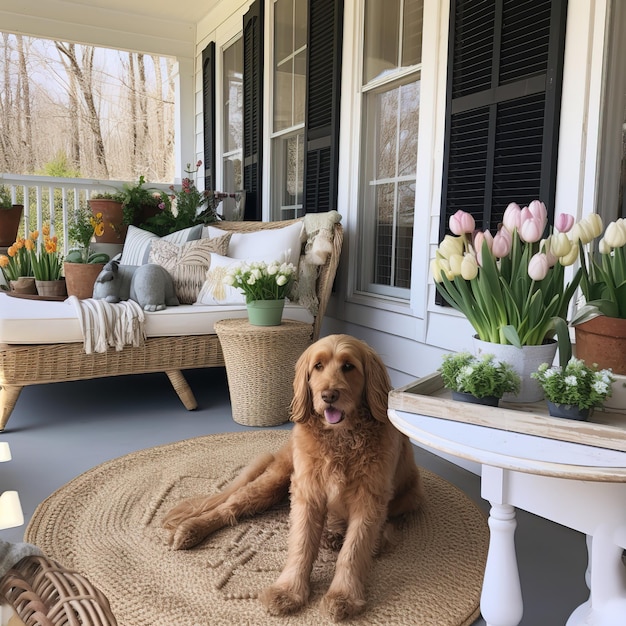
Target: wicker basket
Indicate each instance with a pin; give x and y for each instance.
(43, 593)
(260, 362)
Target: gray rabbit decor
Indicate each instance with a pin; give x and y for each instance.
(150, 285)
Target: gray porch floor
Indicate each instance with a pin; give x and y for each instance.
(59, 431)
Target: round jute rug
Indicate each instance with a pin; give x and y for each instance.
(106, 524)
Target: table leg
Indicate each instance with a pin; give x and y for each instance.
(501, 598)
(607, 603)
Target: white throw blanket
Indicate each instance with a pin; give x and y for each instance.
(106, 324)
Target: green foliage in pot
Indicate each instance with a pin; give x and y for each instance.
(576, 384)
(481, 376)
(5, 197)
(136, 196)
(116, 196)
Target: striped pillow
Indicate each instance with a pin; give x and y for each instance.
(137, 245)
(187, 263)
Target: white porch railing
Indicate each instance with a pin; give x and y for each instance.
(53, 200)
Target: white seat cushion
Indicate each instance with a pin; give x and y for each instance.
(24, 321)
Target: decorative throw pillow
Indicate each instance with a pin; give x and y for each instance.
(136, 249)
(270, 244)
(187, 263)
(214, 291)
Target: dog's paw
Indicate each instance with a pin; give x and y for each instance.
(279, 600)
(190, 533)
(339, 606)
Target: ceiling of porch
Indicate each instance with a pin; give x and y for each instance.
(152, 26)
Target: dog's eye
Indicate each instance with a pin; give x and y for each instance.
(318, 366)
(347, 367)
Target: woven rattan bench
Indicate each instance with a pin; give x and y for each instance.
(22, 365)
(44, 593)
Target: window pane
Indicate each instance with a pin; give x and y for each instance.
(386, 123)
(294, 162)
(283, 95)
(283, 29)
(382, 19)
(299, 88)
(409, 122)
(300, 21)
(412, 32)
(404, 235)
(384, 233)
(232, 95)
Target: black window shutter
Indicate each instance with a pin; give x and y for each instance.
(253, 109)
(321, 166)
(503, 106)
(208, 106)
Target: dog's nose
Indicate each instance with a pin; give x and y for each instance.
(330, 395)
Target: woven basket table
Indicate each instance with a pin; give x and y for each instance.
(260, 362)
(43, 593)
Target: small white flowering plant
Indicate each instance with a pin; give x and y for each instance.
(481, 376)
(259, 280)
(576, 384)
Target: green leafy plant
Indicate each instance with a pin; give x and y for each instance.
(480, 376)
(83, 226)
(136, 196)
(511, 286)
(576, 384)
(261, 281)
(603, 279)
(183, 207)
(5, 197)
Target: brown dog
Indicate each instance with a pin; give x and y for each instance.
(344, 464)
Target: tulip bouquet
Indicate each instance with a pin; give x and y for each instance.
(603, 273)
(511, 286)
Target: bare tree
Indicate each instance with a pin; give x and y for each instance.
(24, 110)
(83, 74)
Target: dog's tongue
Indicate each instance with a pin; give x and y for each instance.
(332, 415)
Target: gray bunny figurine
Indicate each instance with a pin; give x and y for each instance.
(150, 285)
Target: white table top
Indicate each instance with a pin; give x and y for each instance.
(510, 450)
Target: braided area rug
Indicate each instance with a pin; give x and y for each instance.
(106, 524)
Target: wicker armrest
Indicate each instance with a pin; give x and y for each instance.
(43, 593)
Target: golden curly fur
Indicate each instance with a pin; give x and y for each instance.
(345, 466)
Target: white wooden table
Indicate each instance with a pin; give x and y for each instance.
(577, 485)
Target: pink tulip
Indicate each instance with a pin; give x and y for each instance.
(531, 229)
(564, 222)
(538, 211)
(462, 222)
(538, 266)
(479, 238)
(502, 243)
(512, 217)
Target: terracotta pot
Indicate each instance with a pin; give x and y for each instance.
(602, 340)
(80, 278)
(10, 224)
(112, 217)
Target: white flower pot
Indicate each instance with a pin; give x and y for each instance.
(524, 361)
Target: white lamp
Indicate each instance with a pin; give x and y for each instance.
(10, 508)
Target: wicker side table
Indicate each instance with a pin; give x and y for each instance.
(260, 363)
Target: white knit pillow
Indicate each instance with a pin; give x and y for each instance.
(187, 263)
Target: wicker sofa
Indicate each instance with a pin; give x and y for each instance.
(24, 364)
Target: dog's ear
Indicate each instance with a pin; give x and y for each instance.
(302, 403)
(377, 385)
